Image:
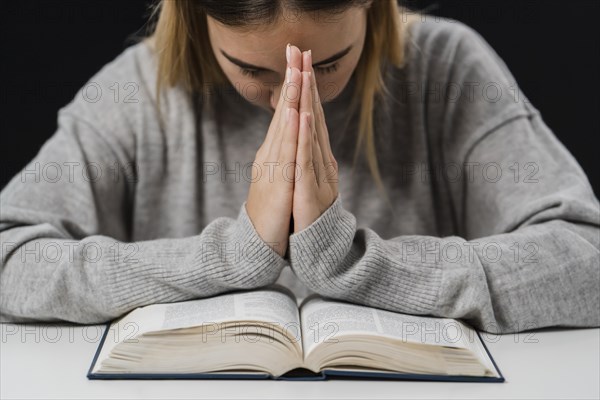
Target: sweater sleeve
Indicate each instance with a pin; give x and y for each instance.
(526, 250)
(64, 229)
(538, 266)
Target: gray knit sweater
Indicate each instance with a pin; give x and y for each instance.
(491, 219)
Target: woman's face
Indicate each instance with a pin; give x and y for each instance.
(254, 61)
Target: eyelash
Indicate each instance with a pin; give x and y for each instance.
(323, 70)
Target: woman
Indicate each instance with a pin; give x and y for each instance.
(397, 165)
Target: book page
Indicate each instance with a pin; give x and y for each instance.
(265, 305)
(270, 306)
(322, 320)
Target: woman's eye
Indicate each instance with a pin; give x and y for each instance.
(249, 72)
(322, 70)
(328, 69)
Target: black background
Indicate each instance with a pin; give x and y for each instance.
(51, 48)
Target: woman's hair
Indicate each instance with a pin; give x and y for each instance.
(180, 39)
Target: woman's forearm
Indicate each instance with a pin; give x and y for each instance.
(542, 275)
(48, 277)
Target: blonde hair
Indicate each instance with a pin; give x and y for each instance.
(180, 39)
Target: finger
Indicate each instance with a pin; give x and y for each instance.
(307, 61)
(293, 59)
(304, 157)
(289, 145)
(290, 93)
(290, 137)
(306, 96)
(317, 158)
(276, 120)
(319, 116)
(306, 106)
(291, 97)
(291, 90)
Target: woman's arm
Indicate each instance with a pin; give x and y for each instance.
(65, 254)
(540, 268)
(526, 251)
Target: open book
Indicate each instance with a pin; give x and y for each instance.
(263, 334)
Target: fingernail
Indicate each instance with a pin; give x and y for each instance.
(310, 56)
(287, 115)
(288, 75)
(288, 53)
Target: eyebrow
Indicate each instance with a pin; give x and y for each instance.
(243, 64)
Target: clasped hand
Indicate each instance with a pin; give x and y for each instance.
(303, 174)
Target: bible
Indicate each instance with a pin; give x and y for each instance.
(266, 334)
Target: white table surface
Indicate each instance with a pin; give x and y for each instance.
(51, 361)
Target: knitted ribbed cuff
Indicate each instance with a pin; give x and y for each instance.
(336, 260)
(325, 242)
(249, 261)
(261, 256)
